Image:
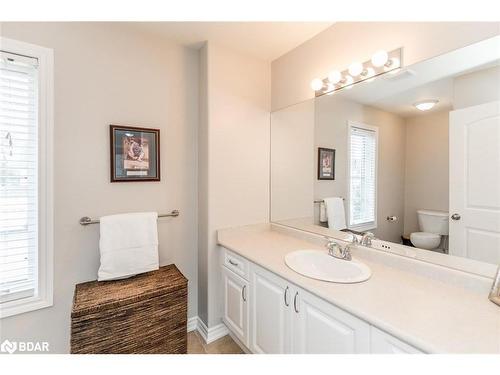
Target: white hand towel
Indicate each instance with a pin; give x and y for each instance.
(128, 245)
(323, 217)
(336, 213)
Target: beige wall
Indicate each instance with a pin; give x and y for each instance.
(427, 166)
(105, 75)
(339, 45)
(236, 157)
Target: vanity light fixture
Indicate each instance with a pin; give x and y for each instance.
(316, 84)
(393, 62)
(381, 62)
(355, 69)
(349, 80)
(425, 105)
(334, 77)
(380, 58)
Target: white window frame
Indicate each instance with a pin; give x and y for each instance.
(370, 225)
(44, 297)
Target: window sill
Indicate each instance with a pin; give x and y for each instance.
(363, 227)
(23, 306)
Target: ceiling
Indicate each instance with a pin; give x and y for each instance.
(402, 104)
(263, 40)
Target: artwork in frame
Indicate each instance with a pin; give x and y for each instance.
(135, 153)
(326, 163)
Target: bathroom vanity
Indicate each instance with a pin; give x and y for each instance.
(406, 306)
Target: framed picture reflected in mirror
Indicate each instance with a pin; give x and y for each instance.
(326, 163)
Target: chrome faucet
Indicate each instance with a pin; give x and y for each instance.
(338, 251)
(366, 239)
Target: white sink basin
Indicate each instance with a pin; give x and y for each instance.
(321, 266)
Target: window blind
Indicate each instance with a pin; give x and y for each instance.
(363, 159)
(18, 177)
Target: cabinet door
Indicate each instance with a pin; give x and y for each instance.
(319, 327)
(383, 343)
(270, 312)
(236, 305)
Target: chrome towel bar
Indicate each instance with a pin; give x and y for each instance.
(87, 220)
(322, 201)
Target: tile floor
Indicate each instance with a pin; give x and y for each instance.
(224, 345)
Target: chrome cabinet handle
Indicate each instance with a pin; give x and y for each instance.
(243, 294)
(286, 297)
(233, 263)
(455, 217)
(295, 302)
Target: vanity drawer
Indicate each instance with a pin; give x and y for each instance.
(235, 263)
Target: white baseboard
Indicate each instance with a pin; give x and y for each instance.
(239, 343)
(192, 324)
(208, 334)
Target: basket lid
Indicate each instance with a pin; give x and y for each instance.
(95, 296)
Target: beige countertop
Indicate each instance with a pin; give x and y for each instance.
(434, 314)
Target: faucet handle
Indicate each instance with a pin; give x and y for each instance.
(367, 238)
(332, 246)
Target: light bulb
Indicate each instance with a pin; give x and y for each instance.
(316, 84)
(355, 69)
(380, 58)
(425, 105)
(334, 77)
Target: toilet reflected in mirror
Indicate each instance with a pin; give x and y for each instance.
(434, 230)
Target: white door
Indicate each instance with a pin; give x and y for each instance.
(270, 312)
(475, 182)
(383, 343)
(321, 328)
(236, 305)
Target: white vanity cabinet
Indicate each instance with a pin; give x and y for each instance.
(287, 319)
(268, 314)
(321, 328)
(270, 317)
(236, 304)
(383, 343)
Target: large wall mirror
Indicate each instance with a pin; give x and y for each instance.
(412, 157)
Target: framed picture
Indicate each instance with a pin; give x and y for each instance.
(326, 163)
(135, 153)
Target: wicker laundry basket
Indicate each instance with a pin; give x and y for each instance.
(143, 314)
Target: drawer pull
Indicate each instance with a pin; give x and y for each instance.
(243, 293)
(295, 302)
(233, 263)
(286, 297)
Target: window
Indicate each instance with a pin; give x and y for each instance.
(26, 221)
(363, 144)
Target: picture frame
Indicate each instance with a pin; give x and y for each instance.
(134, 153)
(326, 163)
